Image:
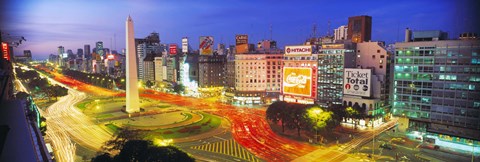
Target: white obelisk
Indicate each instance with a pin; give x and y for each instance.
(133, 101)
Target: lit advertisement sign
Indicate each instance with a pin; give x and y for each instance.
(206, 45)
(5, 51)
(173, 49)
(298, 50)
(110, 57)
(241, 39)
(185, 45)
(357, 82)
(297, 81)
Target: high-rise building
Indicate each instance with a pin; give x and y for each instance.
(211, 74)
(359, 28)
(99, 49)
(341, 33)
(133, 101)
(61, 56)
(436, 87)
(149, 66)
(374, 58)
(145, 46)
(255, 76)
(159, 64)
(299, 81)
(230, 77)
(86, 57)
(332, 61)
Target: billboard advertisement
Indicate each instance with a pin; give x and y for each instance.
(297, 81)
(298, 50)
(172, 49)
(206, 45)
(357, 82)
(241, 42)
(5, 51)
(185, 45)
(241, 39)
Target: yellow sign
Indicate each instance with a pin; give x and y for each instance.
(297, 81)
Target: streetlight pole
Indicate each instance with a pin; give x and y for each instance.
(373, 144)
(473, 151)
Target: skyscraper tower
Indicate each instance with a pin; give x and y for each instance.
(359, 28)
(133, 101)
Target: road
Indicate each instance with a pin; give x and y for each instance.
(67, 126)
(249, 126)
(333, 154)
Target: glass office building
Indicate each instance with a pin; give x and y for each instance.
(436, 86)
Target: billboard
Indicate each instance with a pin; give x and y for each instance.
(357, 82)
(172, 49)
(5, 51)
(297, 81)
(298, 50)
(206, 45)
(241, 39)
(241, 42)
(185, 45)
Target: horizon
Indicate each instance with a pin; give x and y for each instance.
(57, 23)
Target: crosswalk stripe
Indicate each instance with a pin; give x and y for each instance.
(228, 147)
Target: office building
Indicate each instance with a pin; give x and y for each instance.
(372, 57)
(332, 61)
(211, 74)
(145, 46)
(341, 33)
(359, 29)
(436, 87)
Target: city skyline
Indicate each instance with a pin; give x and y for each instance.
(65, 24)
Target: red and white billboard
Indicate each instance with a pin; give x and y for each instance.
(298, 50)
(173, 49)
(5, 51)
(297, 81)
(206, 45)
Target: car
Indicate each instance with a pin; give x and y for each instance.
(387, 146)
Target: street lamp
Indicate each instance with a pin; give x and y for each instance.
(473, 150)
(317, 113)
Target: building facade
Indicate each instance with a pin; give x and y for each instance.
(436, 86)
(359, 28)
(332, 60)
(341, 33)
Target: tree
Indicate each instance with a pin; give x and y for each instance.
(119, 140)
(105, 157)
(296, 117)
(145, 151)
(318, 119)
(275, 111)
(149, 84)
(178, 88)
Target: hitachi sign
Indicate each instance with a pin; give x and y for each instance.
(298, 50)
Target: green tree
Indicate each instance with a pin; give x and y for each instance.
(178, 88)
(319, 119)
(119, 139)
(149, 84)
(297, 117)
(145, 151)
(275, 111)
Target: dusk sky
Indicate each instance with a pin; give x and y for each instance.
(47, 24)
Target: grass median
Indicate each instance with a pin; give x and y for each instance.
(208, 123)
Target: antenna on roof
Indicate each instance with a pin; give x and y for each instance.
(314, 30)
(270, 28)
(328, 30)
